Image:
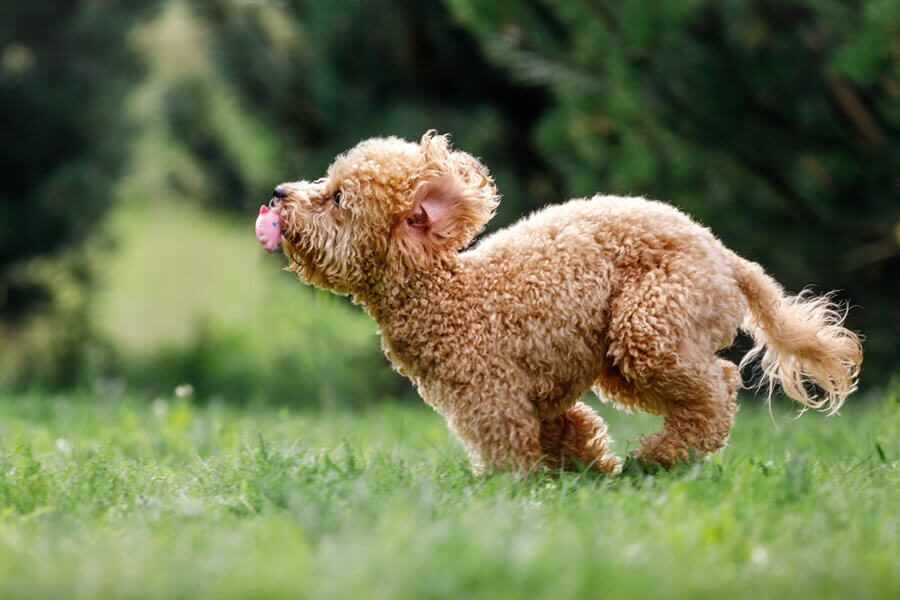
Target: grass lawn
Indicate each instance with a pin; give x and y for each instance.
(102, 498)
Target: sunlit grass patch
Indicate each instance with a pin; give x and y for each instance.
(190, 297)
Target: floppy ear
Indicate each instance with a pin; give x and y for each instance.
(453, 197)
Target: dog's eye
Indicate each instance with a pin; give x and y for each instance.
(336, 198)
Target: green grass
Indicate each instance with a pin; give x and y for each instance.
(102, 498)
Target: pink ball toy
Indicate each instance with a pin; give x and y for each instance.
(268, 228)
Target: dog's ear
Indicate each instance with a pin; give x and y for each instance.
(453, 197)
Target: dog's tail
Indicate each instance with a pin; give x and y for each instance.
(801, 340)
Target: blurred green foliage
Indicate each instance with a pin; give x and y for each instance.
(286, 87)
(188, 299)
(62, 66)
(775, 123)
(311, 350)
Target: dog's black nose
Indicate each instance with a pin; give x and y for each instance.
(280, 192)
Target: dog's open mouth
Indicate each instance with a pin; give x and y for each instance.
(268, 228)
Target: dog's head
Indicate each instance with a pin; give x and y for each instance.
(385, 209)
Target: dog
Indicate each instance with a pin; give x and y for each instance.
(625, 296)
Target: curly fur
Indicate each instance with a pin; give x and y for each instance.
(627, 296)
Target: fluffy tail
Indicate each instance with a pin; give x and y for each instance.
(801, 339)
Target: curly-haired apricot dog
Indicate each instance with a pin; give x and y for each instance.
(625, 296)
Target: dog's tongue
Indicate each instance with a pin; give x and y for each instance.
(268, 228)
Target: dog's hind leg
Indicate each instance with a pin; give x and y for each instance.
(579, 434)
(665, 328)
(700, 415)
(611, 387)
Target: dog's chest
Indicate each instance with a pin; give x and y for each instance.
(429, 354)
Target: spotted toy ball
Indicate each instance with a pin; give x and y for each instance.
(268, 228)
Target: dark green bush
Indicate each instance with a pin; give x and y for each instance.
(63, 69)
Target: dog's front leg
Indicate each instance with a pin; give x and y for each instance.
(500, 435)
